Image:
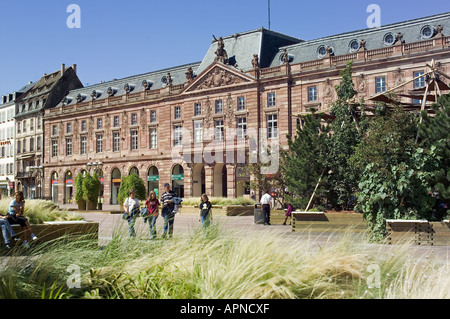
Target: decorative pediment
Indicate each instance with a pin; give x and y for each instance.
(216, 76)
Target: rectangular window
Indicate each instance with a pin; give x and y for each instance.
(24, 149)
(134, 140)
(116, 142)
(219, 107)
(39, 123)
(218, 130)
(83, 145)
(272, 126)
(380, 84)
(19, 149)
(99, 124)
(18, 127)
(99, 143)
(418, 84)
(312, 93)
(271, 100)
(241, 127)
(241, 103)
(177, 135)
(54, 130)
(31, 124)
(38, 144)
(134, 119)
(83, 126)
(31, 144)
(198, 131)
(116, 121)
(197, 109)
(24, 125)
(69, 128)
(152, 116)
(54, 148)
(177, 112)
(68, 147)
(153, 138)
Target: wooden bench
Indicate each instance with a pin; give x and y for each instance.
(323, 221)
(419, 232)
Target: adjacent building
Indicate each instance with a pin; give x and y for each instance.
(198, 125)
(29, 129)
(7, 140)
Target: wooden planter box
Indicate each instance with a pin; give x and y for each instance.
(53, 230)
(418, 232)
(329, 222)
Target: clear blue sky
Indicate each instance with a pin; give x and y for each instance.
(124, 38)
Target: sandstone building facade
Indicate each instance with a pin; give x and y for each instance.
(192, 125)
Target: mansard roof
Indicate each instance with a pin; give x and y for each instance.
(241, 47)
(117, 87)
(375, 38)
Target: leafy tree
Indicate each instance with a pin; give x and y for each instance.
(395, 172)
(131, 182)
(436, 137)
(347, 134)
(306, 161)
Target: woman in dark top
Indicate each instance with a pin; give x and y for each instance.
(205, 211)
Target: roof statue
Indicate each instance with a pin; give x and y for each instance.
(221, 53)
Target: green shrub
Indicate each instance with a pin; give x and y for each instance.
(91, 188)
(131, 182)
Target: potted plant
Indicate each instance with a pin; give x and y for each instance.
(91, 188)
(79, 195)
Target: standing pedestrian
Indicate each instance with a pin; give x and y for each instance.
(167, 210)
(152, 205)
(266, 204)
(131, 206)
(205, 211)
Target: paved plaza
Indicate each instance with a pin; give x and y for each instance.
(186, 224)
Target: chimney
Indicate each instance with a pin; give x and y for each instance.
(63, 68)
(74, 67)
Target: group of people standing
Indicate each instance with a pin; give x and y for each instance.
(15, 216)
(150, 212)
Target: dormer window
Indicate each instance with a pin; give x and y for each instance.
(81, 97)
(146, 84)
(128, 87)
(96, 94)
(389, 39)
(427, 32)
(321, 51)
(111, 91)
(354, 45)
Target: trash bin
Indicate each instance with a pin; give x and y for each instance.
(259, 217)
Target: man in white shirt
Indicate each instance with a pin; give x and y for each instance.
(266, 205)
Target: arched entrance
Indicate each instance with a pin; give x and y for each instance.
(220, 180)
(116, 178)
(198, 180)
(68, 188)
(153, 180)
(178, 180)
(54, 187)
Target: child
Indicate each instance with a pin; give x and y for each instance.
(152, 205)
(205, 211)
(288, 213)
